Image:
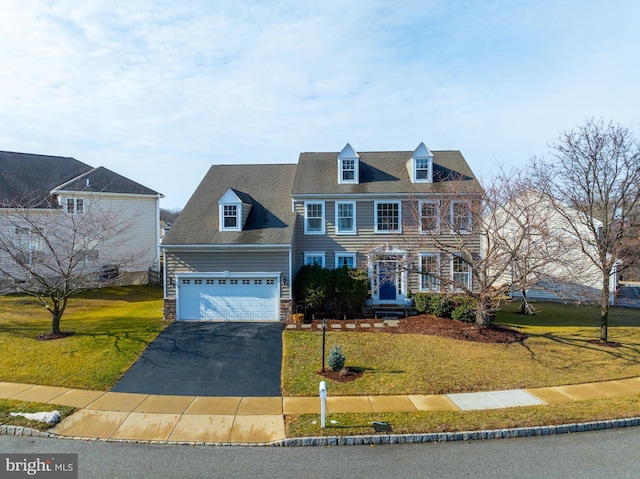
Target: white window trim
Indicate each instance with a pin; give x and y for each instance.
(75, 205)
(306, 229)
(375, 216)
(438, 269)
(429, 202)
(429, 178)
(354, 230)
(342, 254)
(454, 286)
(356, 172)
(310, 254)
(452, 217)
(238, 226)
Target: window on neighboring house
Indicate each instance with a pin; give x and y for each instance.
(28, 246)
(429, 272)
(91, 256)
(314, 257)
(75, 206)
(422, 169)
(348, 171)
(314, 218)
(461, 216)
(230, 217)
(387, 217)
(346, 259)
(345, 217)
(460, 273)
(429, 216)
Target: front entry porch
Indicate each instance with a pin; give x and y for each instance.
(388, 276)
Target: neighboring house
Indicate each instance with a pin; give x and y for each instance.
(45, 189)
(245, 232)
(551, 265)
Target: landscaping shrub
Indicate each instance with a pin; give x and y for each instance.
(352, 286)
(423, 302)
(466, 309)
(442, 305)
(312, 285)
(336, 358)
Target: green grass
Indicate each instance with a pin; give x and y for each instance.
(112, 327)
(557, 352)
(449, 421)
(7, 407)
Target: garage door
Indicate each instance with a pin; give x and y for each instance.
(228, 299)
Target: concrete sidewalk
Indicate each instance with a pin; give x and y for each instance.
(224, 420)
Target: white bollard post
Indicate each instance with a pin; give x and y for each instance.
(323, 403)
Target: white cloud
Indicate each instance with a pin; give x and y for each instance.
(160, 90)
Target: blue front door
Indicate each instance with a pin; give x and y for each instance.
(387, 282)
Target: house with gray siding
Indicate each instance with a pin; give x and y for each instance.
(41, 195)
(234, 250)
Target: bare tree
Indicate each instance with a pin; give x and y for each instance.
(593, 178)
(488, 244)
(53, 254)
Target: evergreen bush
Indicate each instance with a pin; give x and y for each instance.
(466, 309)
(336, 358)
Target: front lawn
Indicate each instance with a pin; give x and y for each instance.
(558, 351)
(456, 421)
(112, 327)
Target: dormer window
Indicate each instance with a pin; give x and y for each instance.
(420, 165)
(348, 166)
(348, 171)
(234, 208)
(230, 217)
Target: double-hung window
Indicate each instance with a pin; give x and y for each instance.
(460, 273)
(429, 271)
(75, 206)
(230, 217)
(347, 171)
(387, 217)
(461, 216)
(27, 246)
(429, 216)
(314, 258)
(345, 217)
(314, 218)
(423, 166)
(346, 259)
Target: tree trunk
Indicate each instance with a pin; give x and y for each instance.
(484, 313)
(55, 322)
(604, 311)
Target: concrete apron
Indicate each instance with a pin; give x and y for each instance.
(256, 420)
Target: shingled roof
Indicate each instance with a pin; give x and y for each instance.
(28, 180)
(383, 173)
(266, 187)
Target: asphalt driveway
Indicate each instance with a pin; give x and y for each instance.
(209, 359)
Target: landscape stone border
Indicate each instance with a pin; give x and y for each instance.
(368, 440)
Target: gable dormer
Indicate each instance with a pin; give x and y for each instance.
(348, 166)
(234, 208)
(420, 165)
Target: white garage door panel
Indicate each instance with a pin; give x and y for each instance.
(228, 299)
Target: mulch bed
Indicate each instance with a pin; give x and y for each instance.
(341, 376)
(434, 326)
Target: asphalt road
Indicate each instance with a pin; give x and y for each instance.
(592, 455)
(209, 359)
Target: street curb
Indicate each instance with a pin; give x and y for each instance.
(370, 440)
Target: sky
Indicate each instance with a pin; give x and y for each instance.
(158, 91)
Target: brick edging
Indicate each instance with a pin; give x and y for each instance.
(378, 439)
